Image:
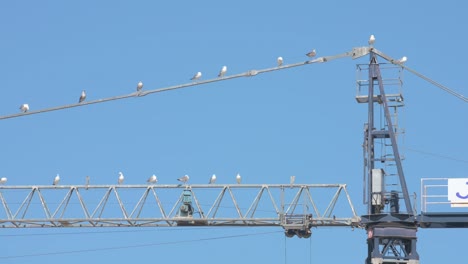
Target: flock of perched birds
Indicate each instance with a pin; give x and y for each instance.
(151, 180)
(25, 107)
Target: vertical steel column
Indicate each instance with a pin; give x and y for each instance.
(391, 236)
(370, 136)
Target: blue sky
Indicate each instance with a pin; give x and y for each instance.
(302, 121)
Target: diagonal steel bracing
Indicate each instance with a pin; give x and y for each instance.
(159, 205)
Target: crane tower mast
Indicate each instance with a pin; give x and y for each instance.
(391, 230)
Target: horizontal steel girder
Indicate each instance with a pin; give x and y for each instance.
(289, 206)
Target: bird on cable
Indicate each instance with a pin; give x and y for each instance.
(311, 54)
(121, 178)
(371, 40)
(82, 96)
(212, 179)
(139, 86)
(184, 179)
(56, 180)
(196, 76)
(292, 180)
(153, 179)
(402, 60)
(279, 60)
(24, 108)
(238, 178)
(3, 180)
(222, 72)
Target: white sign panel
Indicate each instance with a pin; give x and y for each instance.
(458, 192)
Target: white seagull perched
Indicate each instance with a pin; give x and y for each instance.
(402, 60)
(184, 179)
(279, 61)
(292, 180)
(238, 178)
(222, 72)
(3, 180)
(153, 179)
(371, 40)
(196, 76)
(311, 54)
(87, 182)
(212, 179)
(24, 108)
(82, 96)
(139, 86)
(56, 180)
(121, 178)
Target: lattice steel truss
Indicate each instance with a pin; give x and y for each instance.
(290, 206)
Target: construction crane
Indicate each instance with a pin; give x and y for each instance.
(391, 221)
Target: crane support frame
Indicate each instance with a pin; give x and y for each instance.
(391, 233)
(161, 205)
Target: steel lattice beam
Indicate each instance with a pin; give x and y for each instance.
(288, 206)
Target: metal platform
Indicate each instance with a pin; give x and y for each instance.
(443, 220)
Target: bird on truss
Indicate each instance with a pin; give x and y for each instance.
(222, 72)
(24, 108)
(196, 76)
(87, 182)
(121, 178)
(139, 86)
(279, 60)
(212, 179)
(153, 179)
(238, 178)
(82, 96)
(371, 40)
(311, 54)
(3, 180)
(402, 60)
(56, 180)
(292, 180)
(184, 179)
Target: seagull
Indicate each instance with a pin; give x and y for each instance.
(3, 180)
(292, 180)
(371, 40)
(312, 53)
(402, 60)
(87, 182)
(24, 108)
(56, 180)
(212, 179)
(184, 179)
(280, 61)
(121, 178)
(238, 178)
(139, 86)
(153, 179)
(196, 76)
(82, 97)
(222, 72)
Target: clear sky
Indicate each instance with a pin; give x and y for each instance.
(302, 121)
